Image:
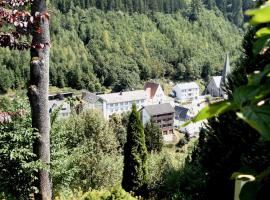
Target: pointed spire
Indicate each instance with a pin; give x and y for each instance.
(225, 73)
(227, 67)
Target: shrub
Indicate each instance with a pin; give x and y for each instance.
(116, 193)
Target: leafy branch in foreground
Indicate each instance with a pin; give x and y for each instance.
(251, 102)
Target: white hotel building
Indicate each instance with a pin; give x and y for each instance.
(117, 103)
(186, 91)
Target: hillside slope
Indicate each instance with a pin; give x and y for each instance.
(93, 49)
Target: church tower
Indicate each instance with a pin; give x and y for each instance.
(226, 68)
(226, 71)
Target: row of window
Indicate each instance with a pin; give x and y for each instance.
(128, 103)
(164, 120)
(165, 125)
(192, 89)
(122, 109)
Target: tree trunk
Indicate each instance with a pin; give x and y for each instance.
(38, 96)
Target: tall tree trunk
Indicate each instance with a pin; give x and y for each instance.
(38, 96)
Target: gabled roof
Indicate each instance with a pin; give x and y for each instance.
(159, 109)
(124, 96)
(187, 85)
(152, 87)
(217, 80)
(90, 97)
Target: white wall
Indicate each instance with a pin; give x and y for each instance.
(145, 117)
(185, 94)
(212, 88)
(159, 96)
(119, 108)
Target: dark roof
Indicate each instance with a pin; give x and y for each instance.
(159, 109)
(60, 96)
(181, 112)
(153, 88)
(90, 97)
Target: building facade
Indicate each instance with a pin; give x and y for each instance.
(161, 114)
(118, 103)
(155, 93)
(186, 91)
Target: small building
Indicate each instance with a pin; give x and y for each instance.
(118, 103)
(58, 101)
(186, 91)
(162, 114)
(155, 93)
(216, 84)
(214, 87)
(91, 101)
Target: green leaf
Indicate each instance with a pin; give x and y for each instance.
(255, 79)
(260, 44)
(245, 94)
(212, 110)
(263, 32)
(257, 117)
(259, 16)
(249, 191)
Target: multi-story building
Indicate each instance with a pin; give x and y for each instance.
(186, 91)
(118, 103)
(161, 114)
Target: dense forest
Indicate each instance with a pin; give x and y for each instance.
(232, 9)
(121, 159)
(91, 46)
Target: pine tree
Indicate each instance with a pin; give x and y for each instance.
(153, 137)
(196, 6)
(135, 155)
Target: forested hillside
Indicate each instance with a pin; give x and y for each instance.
(94, 48)
(232, 9)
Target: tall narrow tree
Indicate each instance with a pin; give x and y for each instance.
(38, 93)
(36, 24)
(135, 155)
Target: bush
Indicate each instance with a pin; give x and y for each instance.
(116, 193)
(85, 154)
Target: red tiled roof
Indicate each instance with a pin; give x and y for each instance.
(152, 87)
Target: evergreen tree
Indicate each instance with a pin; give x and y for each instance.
(135, 155)
(153, 137)
(210, 4)
(196, 7)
